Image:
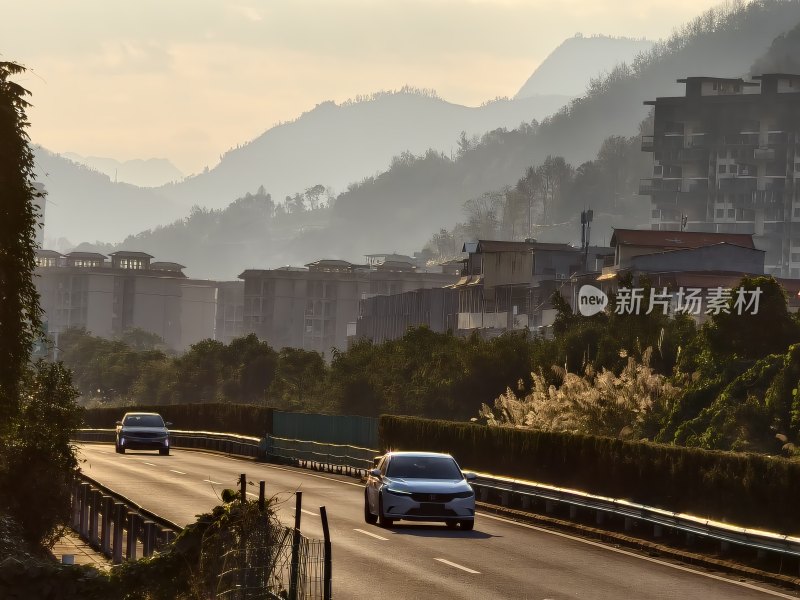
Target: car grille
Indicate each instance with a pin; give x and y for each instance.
(418, 497)
(145, 435)
(431, 510)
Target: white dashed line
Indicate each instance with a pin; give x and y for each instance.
(214, 482)
(647, 558)
(457, 566)
(252, 494)
(308, 512)
(151, 464)
(371, 535)
(178, 472)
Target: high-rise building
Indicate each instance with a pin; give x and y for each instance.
(726, 158)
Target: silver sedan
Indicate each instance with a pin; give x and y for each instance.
(419, 486)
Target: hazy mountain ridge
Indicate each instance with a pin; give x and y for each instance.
(399, 209)
(84, 204)
(721, 42)
(336, 145)
(568, 69)
(148, 172)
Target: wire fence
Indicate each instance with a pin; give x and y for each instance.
(261, 559)
(291, 567)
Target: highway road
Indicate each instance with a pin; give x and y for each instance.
(499, 559)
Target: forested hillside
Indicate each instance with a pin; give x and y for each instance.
(420, 194)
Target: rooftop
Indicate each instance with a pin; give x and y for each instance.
(41, 252)
(678, 239)
(131, 254)
(95, 255)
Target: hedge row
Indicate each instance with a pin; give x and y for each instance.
(244, 419)
(745, 489)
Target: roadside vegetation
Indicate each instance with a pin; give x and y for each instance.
(729, 385)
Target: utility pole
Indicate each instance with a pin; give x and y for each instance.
(586, 226)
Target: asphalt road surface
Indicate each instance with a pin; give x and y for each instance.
(499, 559)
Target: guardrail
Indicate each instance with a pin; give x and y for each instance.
(339, 458)
(115, 525)
(494, 489)
(230, 443)
(507, 491)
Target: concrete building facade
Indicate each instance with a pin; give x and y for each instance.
(316, 307)
(726, 159)
(128, 291)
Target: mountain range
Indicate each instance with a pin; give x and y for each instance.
(570, 67)
(333, 145)
(149, 172)
(417, 193)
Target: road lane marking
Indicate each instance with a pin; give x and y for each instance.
(178, 472)
(252, 494)
(647, 558)
(151, 464)
(308, 512)
(457, 566)
(214, 482)
(371, 535)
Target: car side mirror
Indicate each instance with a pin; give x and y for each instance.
(168, 423)
(470, 476)
(375, 473)
(119, 422)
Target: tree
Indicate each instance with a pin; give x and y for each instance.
(299, 377)
(314, 195)
(20, 314)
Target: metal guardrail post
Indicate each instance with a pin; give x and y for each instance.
(148, 539)
(119, 525)
(261, 495)
(107, 503)
(76, 505)
(133, 528)
(94, 508)
(83, 527)
(327, 573)
(243, 488)
(294, 576)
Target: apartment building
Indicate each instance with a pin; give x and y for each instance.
(503, 286)
(726, 159)
(315, 307)
(109, 294)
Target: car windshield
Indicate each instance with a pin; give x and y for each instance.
(143, 421)
(423, 467)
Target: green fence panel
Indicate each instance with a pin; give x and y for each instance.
(332, 429)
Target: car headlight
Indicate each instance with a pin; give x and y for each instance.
(398, 492)
(468, 494)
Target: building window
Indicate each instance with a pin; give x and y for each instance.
(797, 212)
(720, 213)
(656, 214)
(723, 168)
(795, 257)
(731, 213)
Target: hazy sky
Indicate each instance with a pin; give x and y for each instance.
(188, 79)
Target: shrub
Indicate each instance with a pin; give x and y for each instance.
(746, 489)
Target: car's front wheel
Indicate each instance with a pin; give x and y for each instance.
(368, 516)
(383, 521)
(467, 524)
(164, 451)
